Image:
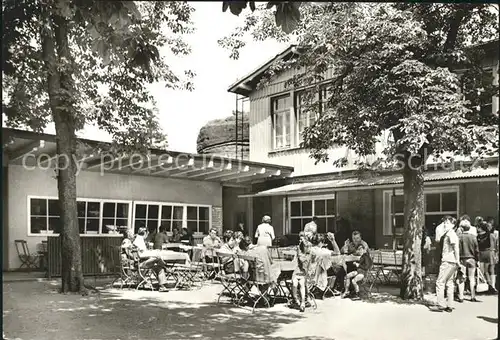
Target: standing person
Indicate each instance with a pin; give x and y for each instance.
(487, 244)
(300, 273)
(450, 260)
(265, 232)
(241, 228)
(311, 228)
(469, 254)
(472, 229)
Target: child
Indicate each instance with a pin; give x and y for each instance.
(359, 273)
(300, 273)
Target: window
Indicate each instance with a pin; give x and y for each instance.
(306, 115)
(438, 202)
(44, 215)
(114, 215)
(198, 219)
(302, 211)
(281, 121)
(324, 96)
(94, 215)
(173, 215)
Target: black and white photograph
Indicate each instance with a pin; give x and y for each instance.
(244, 170)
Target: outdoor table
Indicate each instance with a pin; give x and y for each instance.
(180, 246)
(165, 255)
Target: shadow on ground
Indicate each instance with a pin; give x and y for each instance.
(130, 314)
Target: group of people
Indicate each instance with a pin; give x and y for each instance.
(466, 249)
(311, 244)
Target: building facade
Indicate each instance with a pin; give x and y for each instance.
(370, 203)
(165, 187)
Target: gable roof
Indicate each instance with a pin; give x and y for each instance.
(246, 84)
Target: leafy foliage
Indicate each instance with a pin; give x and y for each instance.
(394, 70)
(114, 55)
(286, 15)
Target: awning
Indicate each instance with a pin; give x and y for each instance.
(376, 182)
(36, 150)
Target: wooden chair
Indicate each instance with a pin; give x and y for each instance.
(27, 259)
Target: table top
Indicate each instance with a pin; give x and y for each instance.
(165, 255)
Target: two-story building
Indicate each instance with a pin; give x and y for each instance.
(371, 203)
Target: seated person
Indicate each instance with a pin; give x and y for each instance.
(161, 237)
(126, 256)
(210, 243)
(364, 264)
(151, 235)
(356, 247)
(139, 241)
(336, 271)
(176, 236)
(186, 236)
(227, 262)
(300, 273)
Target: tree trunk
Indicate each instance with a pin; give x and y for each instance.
(411, 285)
(60, 86)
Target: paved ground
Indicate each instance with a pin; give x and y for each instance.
(34, 310)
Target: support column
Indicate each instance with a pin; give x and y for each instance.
(250, 226)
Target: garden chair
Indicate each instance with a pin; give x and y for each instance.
(231, 282)
(188, 274)
(23, 252)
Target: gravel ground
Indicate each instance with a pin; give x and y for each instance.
(34, 310)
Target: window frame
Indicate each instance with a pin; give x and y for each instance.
(279, 113)
(387, 205)
(331, 196)
(173, 204)
(79, 199)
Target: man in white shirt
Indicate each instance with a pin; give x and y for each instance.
(139, 240)
(450, 261)
(311, 228)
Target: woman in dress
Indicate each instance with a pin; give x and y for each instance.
(265, 232)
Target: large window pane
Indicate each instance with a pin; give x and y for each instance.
(166, 212)
(107, 222)
(307, 208)
(54, 208)
(204, 214)
(321, 225)
(432, 202)
(108, 209)
(203, 226)
(178, 213)
(153, 211)
(152, 224)
(192, 213)
(431, 222)
(92, 226)
(140, 211)
(81, 208)
(93, 209)
(139, 224)
(330, 207)
(449, 201)
(295, 209)
(38, 224)
(122, 210)
(81, 225)
(121, 222)
(399, 203)
(55, 224)
(192, 226)
(296, 226)
(38, 207)
(330, 224)
(400, 221)
(319, 207)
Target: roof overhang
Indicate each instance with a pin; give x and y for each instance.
(246, 85)
(379, 182)
(35, 150)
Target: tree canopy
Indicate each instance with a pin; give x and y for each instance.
(406, 75)
(114, 49)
